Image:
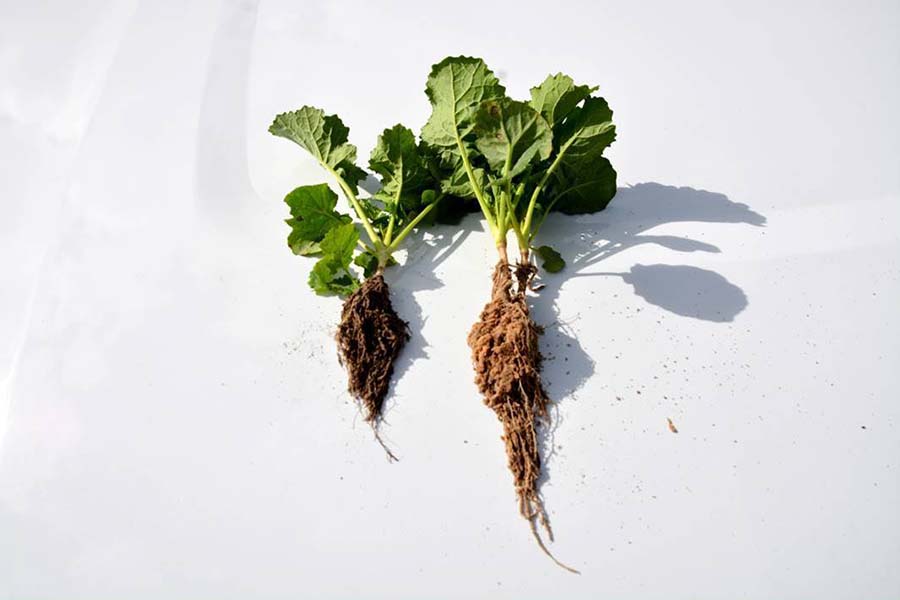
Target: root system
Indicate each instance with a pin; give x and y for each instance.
(370, 337)
(507, 361)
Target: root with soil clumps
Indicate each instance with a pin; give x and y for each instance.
(369, 338)
(507, 362)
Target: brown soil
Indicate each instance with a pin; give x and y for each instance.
(507, 361)
(369, 338)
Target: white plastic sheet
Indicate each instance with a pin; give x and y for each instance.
(173, 420)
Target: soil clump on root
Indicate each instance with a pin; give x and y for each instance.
(507, 362)
(369, 337)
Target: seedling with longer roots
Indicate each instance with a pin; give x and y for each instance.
(519, 161)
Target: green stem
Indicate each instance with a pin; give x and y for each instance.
(376, 240)
(488, 216)
(412, 224)
(390, 227)
(529, 214)
(500, 203)
(389, 232)
(517, 229)
(537, 227)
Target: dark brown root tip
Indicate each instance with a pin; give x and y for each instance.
(369, 337)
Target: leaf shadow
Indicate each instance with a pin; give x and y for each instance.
(684, 290)
(426, 253)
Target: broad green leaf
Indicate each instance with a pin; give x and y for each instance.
(553, 261)
(557, 96)
(312, 209)
(585, 180)
(299, 245)
(396, 159)
(340, 242)
(447, 168)
(585, 188)
(331, 274)
(325, 137)
(587, 132)
(511, 135)
(456, 88)
(404, 175)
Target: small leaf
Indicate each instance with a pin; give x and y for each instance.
(553, 261)
(340, 242)
(331, 274)
(396, 158)
(368, 262)
(557, 96)
(313, 216)
(327, 278)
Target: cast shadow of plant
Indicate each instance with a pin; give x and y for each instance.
(425, 253)
(683, 290)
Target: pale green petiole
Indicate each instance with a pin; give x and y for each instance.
(348, 192)
(412, 225)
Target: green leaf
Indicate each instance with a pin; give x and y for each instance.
(312, 209)
(325, 137)
(368, 262)
(585, 180)
(328, 277)
(300, 246)
(553, 261)
(396, 159)
(447, 168)
(587, 132)
(557, 96)
(585, 188)
(511, 133)
(456, 88)
(331, 274)
(340, 242)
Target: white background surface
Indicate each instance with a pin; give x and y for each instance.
(173, 420)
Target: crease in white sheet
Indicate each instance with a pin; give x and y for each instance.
(62, 119)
